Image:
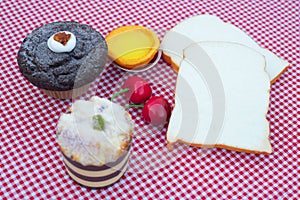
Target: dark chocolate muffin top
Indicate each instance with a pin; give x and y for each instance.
(62, 71)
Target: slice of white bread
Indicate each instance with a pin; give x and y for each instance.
(203, 117)
(211, 28)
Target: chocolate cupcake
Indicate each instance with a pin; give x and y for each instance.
(62, 58)
(95, 139)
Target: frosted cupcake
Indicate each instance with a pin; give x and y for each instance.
(62, 58)
(95, 139)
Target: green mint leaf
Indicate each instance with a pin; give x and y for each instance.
(98, 122)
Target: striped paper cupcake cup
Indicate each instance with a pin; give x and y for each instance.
(97, 176)
(68, 94)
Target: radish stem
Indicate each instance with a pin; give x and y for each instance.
(118, 93)
(130, 105)
(134, 106)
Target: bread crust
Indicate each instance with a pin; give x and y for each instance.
(175, 67)
(219, 146)
(284, 70)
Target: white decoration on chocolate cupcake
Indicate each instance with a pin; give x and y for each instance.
(63, 41)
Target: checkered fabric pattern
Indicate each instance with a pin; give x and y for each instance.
(30, 161)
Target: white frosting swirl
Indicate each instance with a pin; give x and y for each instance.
(58, 47)
(87, 145)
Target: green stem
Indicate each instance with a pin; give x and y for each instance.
(134, 106)
(128, 106)
(118, 93)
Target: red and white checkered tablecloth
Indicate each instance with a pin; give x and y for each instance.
(30, 161)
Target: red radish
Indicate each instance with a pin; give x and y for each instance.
(139, 89)
(136, 89)
(156, 111)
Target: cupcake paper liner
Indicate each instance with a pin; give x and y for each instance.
(97, 176)
(68, 94)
